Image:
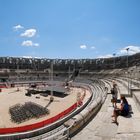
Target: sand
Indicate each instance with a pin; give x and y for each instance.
(10, 97)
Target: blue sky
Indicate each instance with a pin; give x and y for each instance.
(69, 28)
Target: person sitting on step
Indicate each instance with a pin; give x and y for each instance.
(123, 110)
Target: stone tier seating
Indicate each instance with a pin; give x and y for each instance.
(102, 128)
(63, 133)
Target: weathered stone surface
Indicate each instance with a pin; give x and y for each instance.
(125, 125)
(107, 130)
(102, 128)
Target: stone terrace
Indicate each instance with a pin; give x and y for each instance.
(102, 128)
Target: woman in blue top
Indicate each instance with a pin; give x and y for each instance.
(123, 110)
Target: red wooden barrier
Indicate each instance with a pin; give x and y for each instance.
(39, 124)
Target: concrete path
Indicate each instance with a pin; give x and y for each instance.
(102, 128)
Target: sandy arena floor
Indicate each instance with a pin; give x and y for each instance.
(10, 97)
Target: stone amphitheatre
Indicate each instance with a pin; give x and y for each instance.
(45, 99)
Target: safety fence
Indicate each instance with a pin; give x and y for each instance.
(3, 85)
(39, 124)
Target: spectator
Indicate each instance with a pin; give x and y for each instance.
(114, 93)
(122, 110)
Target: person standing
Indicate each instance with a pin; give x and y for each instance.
(114, 93)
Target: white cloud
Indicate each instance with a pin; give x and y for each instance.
(86, 47)
(27, 57)
(29, 33)
(105, 56)
(132, 50)
(93, 47)
(83, 47)
(17, 27)
(29, 43)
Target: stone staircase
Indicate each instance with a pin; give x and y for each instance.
(102, 128)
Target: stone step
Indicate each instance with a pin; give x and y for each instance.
(130, 124)
(124, 137)
(136, 97)
(102, 128)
